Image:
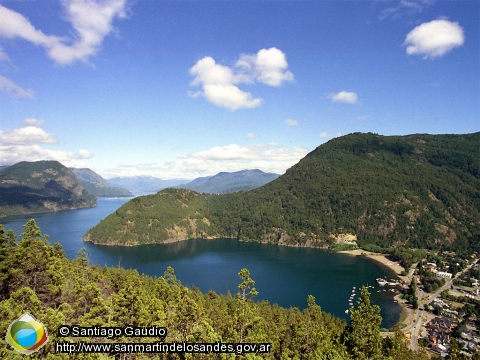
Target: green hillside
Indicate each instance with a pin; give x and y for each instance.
(41, 186)
(417, 190)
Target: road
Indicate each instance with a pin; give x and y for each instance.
(425, 298)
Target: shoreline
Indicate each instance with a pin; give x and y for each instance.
(406, 314)
(381, 258)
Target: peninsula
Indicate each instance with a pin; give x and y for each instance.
(418, 191)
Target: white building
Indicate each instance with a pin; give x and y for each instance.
(444, 274)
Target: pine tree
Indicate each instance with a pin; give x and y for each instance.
(362, 336)
(247, 291)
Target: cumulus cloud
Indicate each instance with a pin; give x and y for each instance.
(84, 154)
(229, 96)
(218, 86)
(434, 38)
(252, 136)
(26, 136)
(12, 154)
(344, 97)
(291, 122)
(268, 66)
(271, 157)
(9, 88)
(90, 19)
(24, 144)
(219, 83)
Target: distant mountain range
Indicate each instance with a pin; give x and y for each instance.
(222, 183)
(227, 182)
(143, 183)
(97, 185)
(41, 186)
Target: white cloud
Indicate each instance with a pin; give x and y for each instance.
(252, 136)
(218, 86)
(324, 134)
(434, 38)
(291, 122)
(91, 20)
(12, 154)
(84, 154)
(219, 82)
(26, 136)
(271, 157)
(33, 122)
(8, 87)
(344, 97)
(229, 96)
(268, 66)
(406, 7)
(24, 145)
(15, 25)
(228, 152)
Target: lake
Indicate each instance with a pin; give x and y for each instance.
(283, 275)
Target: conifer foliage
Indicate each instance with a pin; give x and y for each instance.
(37, 278)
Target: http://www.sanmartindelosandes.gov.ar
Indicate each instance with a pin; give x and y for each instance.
(26, 334)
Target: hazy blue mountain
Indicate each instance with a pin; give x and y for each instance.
(227, 182)
(97, 185)
(41, 186)
(143, 183)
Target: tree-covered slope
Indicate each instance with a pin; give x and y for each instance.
(41, 186)
(58, 291)
(417, 190)
(97, 185)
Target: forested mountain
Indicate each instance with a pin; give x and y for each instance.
(227, 182)
(41, 186)
(417, 191)
(97, 185)
(58, 291)
(143, 183)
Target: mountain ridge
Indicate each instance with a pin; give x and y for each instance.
(41, 186)
(143, 183)
(417, 190)
(226, 182)
(97, 185)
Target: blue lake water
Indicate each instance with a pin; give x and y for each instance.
(282, 275)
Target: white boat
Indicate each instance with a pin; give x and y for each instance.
(346, 311)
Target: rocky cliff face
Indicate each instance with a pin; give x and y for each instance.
(42, 186)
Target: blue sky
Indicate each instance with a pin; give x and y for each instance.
(181, 89)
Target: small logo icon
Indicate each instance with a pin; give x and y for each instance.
(26, 334)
